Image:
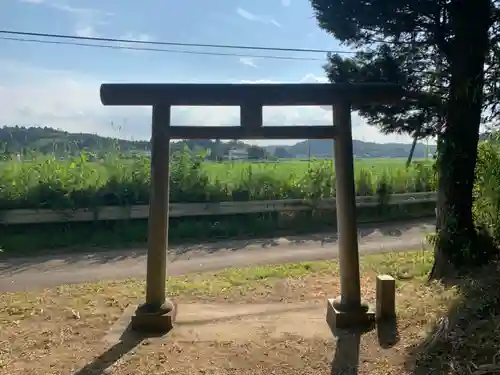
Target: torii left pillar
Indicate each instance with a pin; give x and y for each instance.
(157, 314)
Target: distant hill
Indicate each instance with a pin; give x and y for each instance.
(51, 141)
(324, 148)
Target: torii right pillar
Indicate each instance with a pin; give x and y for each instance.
(348, 310)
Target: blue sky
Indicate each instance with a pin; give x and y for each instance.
(58, 86)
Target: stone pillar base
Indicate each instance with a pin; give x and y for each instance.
(154, 319)
(339, 317)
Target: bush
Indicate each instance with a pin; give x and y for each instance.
(486, 208)
(115, 180)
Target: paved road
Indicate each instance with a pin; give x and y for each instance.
(48, 271)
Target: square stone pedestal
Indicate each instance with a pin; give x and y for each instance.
(156, 323)
(348, 319)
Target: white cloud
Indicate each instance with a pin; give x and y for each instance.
(32, 96)
(141, 37)
(87, 13)
(257, 18)
(86, 31)
(248, 61)
(86, 19)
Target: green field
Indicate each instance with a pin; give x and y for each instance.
(76, 183)
(286, 168)
(79, 183)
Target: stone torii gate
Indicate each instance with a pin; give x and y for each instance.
(158, 312)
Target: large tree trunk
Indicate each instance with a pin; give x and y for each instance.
(457, 148)
(412, 151)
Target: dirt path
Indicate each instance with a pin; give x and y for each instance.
(38, 272)
(268, 326)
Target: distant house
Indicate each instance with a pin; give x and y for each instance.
(237, 154)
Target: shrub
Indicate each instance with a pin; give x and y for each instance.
(46, 182)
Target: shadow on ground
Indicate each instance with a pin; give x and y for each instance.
(346, 357)
(347, 347)
(126, 343)
(388, 333)
(105, 256)
(467, 339)
(365, 230)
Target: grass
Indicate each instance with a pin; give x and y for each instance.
(227, 172)
(61, 330)
(464, 340)
(81, 183)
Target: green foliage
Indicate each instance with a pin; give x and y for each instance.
(416, 44)
(437, 51)
(282, 153)
(256, 153)
(38, 140)
(47, 182)
(407, 56)
(487, 190)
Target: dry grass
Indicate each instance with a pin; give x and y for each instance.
(61, 331)
(465, 340)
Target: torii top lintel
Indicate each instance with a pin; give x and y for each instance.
(268, 94)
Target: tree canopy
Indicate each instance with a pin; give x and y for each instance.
(444, 53)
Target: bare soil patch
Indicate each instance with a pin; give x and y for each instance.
(258, 320)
